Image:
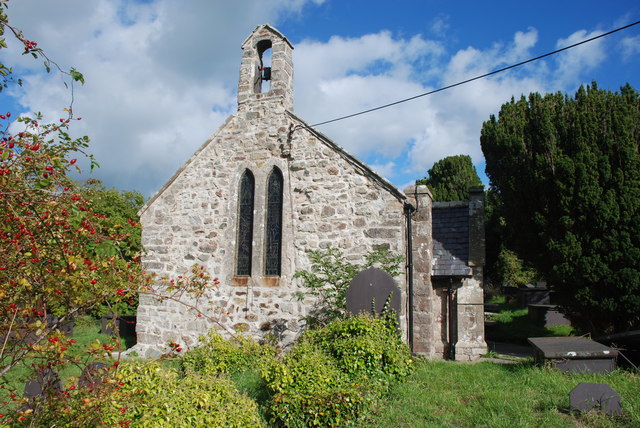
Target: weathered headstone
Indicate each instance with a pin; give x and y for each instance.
(93, 375)
(370, 290)
(595, 396)
(546, 315)
(47, 383)
(123, 325)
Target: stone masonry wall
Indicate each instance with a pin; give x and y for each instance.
(427, 302)
(329, 200)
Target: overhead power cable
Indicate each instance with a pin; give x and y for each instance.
(477, 77)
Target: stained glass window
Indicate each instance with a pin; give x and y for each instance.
(273, 229)
(245, 224)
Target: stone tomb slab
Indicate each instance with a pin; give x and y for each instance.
(595, 396)
(371, 286)
(574, 354)
(546, 315)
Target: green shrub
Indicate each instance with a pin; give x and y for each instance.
(329, 277)
(310, 390)
(364, 346)
(147, 394)
(219, 355)
(334, 375)
(165, 399)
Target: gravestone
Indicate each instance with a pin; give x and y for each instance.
(123, 325)
(532, 295)
(595, 396)
(45, 384)
(93, 375)
(370, 290)
(546, 315)
(573, 354)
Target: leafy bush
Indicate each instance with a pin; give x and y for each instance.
(330, 276)
(147, 394)
(364, 345)
(334, 375)
(218, 355)
(310, 390)
(166, 399)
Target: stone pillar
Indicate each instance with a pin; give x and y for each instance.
(470, 299)
(426, 311)
(476, 226)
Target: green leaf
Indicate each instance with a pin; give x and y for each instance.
(77, 76)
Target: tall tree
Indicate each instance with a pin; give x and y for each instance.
(502, 267)
(120, 209)
(568, 173)
(450, 178)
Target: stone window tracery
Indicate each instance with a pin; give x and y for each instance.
(245, 224)
(273, 226)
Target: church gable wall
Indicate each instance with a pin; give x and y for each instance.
(327, 200)
(338, 204)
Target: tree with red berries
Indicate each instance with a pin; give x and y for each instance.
(60, 253)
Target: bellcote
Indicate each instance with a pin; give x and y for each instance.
(266, 71)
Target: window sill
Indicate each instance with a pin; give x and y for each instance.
(240, 281)
(265, 281)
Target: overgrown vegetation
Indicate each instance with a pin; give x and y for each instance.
(218, 355)
(149, 394)
(329, 277)
(335, 375)
(354, 372)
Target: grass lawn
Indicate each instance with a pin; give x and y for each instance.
(512, 324)
(448, 394)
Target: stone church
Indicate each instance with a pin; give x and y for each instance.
(264, 189)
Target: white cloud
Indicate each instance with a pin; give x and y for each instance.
(577, 61)
(343, 76)
(385, 170)
(161, 76)
(440, 25)
(630, 47)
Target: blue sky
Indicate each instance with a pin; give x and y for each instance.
(162, 74)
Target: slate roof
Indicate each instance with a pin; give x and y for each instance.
(450, 239)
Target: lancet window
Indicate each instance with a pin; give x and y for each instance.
(273, 226)
(245, 224)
